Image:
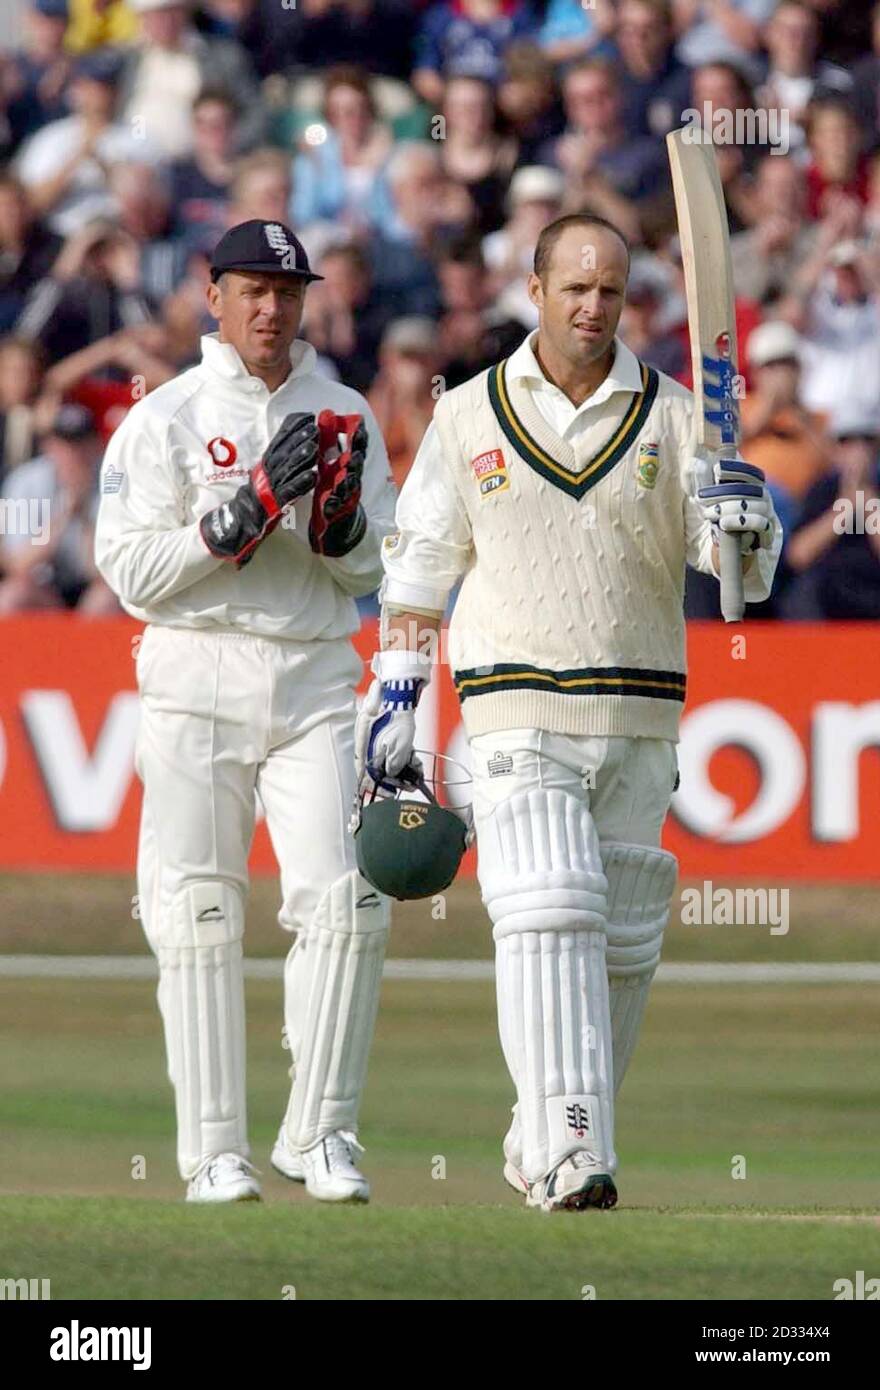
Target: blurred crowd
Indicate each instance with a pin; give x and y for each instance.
(417, 149)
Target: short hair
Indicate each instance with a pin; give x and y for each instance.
(661, 9)
(220, 96)
(349, 75)
(405, 154)
(597, 63)
(351, 252)
(256, 162)
(553, 231)
(462, 248)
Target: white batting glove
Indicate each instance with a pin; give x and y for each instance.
(385, 729)
(739, 504)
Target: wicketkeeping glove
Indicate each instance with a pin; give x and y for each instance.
(738, 503)
(288, 471)
(338, 520)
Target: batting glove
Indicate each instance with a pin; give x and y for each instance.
(739, 504)
(385, 730)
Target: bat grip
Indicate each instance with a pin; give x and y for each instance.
(733, 604)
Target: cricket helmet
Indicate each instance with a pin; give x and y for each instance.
(408, 844)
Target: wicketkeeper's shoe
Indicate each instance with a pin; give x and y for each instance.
(224, 1178)
(327, 1168)
(578, 1182)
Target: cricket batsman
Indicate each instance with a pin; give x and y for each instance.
(559, 488)
(243, 509)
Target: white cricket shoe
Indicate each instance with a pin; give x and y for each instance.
(224, 1178)
(578, 1182)
(285, 1161)
(327, 1168)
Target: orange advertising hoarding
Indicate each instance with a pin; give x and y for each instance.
(780, 750)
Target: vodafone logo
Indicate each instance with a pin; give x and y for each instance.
(222, 451)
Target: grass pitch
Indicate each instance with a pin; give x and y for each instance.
(775, 1083)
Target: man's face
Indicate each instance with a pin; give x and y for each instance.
(582, 295)
(591, 102)
(641, 35)
(780, 188)
(791, 40)
(163, 28)
(715, 87)
(265, 195)
(258, 314)
(92, 100)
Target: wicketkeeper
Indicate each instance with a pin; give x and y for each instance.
(558, 488)
(243, 509)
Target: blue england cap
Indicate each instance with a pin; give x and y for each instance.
(263, 248)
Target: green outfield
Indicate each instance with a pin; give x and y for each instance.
(777, 1083)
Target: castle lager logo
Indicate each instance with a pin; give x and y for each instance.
(411, 818)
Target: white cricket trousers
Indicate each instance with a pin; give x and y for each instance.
(226, 716)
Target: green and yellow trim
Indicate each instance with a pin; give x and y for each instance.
(575, 484)
(589, 680)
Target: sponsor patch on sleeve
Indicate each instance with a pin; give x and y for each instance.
(490, 471)
(112, 480)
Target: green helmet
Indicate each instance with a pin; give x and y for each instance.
(407, 844)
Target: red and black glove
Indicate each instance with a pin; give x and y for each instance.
(288, 471)
(338, 520)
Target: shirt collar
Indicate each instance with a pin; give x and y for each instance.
(221, 359)
(625, 374)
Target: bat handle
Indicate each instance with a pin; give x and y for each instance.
(733, 604)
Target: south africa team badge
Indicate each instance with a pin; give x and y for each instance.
(490, 471)
(649, 464)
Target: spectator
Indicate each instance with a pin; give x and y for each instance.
(866, 84)
(467, 38)
(728, 31)
(571, 29)
(36, 75)
(834, 303)
(778, 434)
(49, 562)
(377, 35)
(142, 206)
(475, 330)
(528, 99)
(766, 255)
(261, 187)
(837, 165)
(605, 169)
(405, 391)
(64, 166)
(96, 23)
(199, 183)
(21, 376)
(474, 154)
(345, 318)
(796, 75)
(93, 290)
(401, 251)
(166, 70)
(834, 550)
(656, 84)
(27, 250)
(643, 321)
(110, 375)
(535, 200)
(720, 87)
(334, 177)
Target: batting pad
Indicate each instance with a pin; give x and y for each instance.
(332, 981)
(201, 996)
(641, 882)
(543, 885)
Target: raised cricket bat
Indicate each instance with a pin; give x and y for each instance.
(708, 275)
